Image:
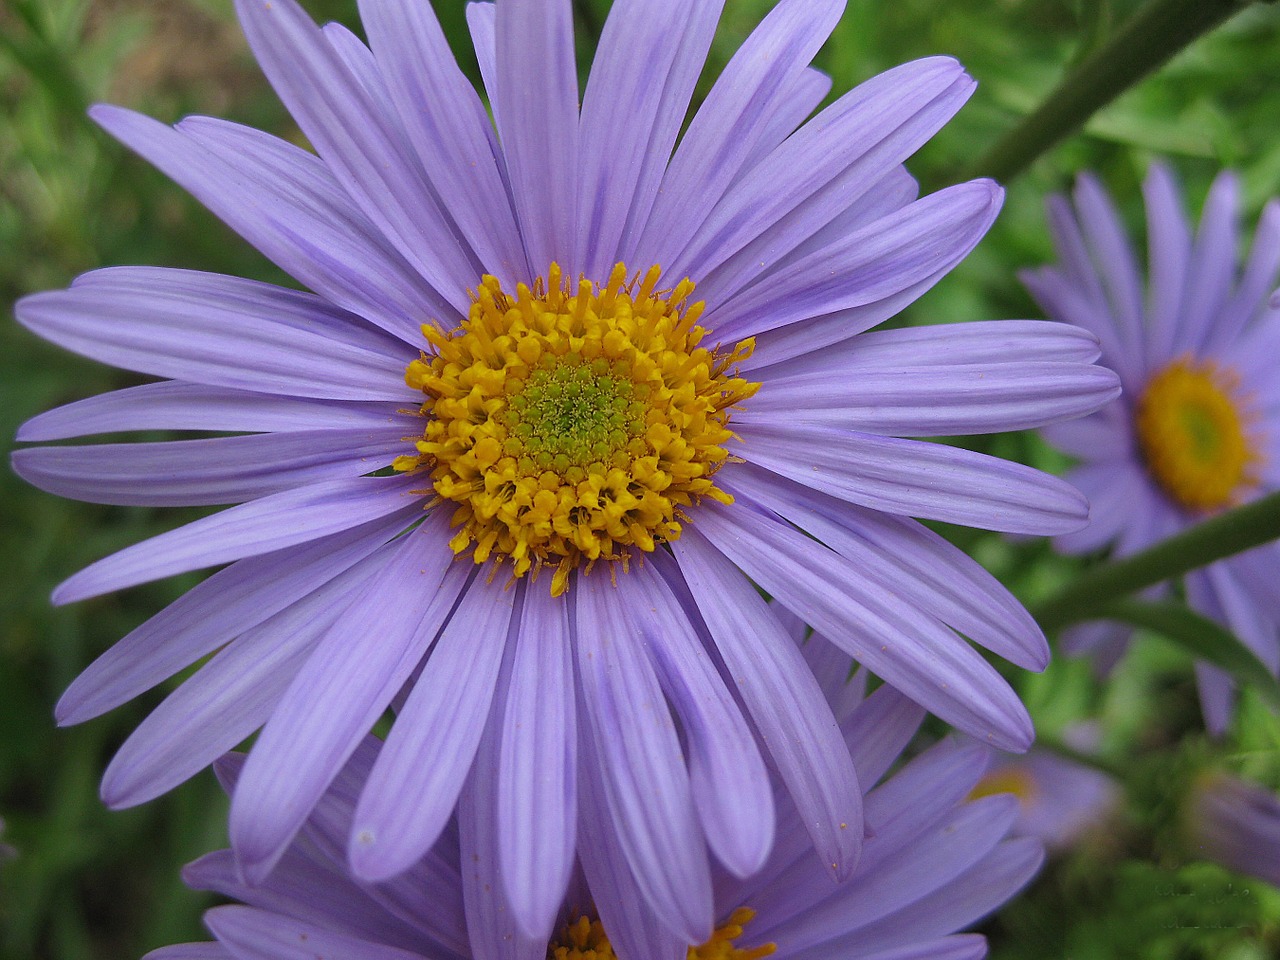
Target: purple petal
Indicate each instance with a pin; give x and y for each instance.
(910, 477)
(913, 562)
(1168, 253)
(307, 891)
(642, 769)
(494, 931)
(731, 788)
(286, 203)
(929, 401)
(230, 697)
(909, 649)
(258, 935)
(421, 770)
(821, 170)
(874, 263)
(790, 108)
(537, 767)
(1213, 263)
(634, 929)
(941, 345)
(214, 613)
(970, 897)
(345, 685)
(730, 120)
(220, 470)
(1256, 284)
(622, 110)
(878, 730)
(260, 526)
(448, 127)
(173, 405)
(221, 331)
(482, 22)
(190, 951)
(537, 112)
(784, 700)
(366, 153)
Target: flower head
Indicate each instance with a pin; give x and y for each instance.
(1195, 431)
(563, 390)
(933, 863)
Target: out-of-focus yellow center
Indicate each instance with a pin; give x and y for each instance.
(1013, 780)
(1192, 429)
(573, 424)
(585, 939)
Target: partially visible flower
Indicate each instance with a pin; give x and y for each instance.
(618, 372)
(1197, 429)
(1059, 799)
(1237, 824)
(933, 863)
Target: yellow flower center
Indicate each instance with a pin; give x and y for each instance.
(573, 426)
(585, 939)
(1013, 780)
(1191, 425)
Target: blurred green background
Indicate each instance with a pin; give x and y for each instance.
(87, 884)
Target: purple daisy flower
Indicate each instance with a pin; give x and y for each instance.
(497, 369)
(933, 863)
(1196, 429)
(1059, 800)
(1237, 824)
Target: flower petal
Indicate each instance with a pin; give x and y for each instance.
(252, 934)
(730, 120)
(447, 125)
(221, 331)
(220, 470)
(421, 770)
(731, 788)
(819, 171)
(910, 477)
(784, 699)
(883, 258)
(537, 767)
(215, 612)
(642, 768)
(260, 526)
(365, 152)
(343, 687)
(173, 405)
(285, 202)
(536, 104)
(230, 697)
(912, 562)
(910, 650)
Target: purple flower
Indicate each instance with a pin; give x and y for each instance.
(1194, 432)
(1058, 799)
(932, 864)
(1237, 824)
(620, 460)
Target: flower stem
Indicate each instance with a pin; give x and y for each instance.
(1143, 43)
(1221, 536)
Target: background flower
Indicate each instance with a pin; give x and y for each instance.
(1236, 823)
(1194, 432)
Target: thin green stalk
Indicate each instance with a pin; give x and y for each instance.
(1111, 768)
(1221, 536)
(1143, 43)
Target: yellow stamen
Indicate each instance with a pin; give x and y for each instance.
(585, 939)
(573, 427)
(1192, 429)
(1013, 780)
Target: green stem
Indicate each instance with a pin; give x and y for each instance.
(1111, 768)
(1151, 36)
(1221, 536)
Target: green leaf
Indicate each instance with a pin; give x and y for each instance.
(1200, 637)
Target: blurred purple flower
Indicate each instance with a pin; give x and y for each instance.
(572, 425)
(933, 863)
(1059, 799)
(1195, 431)
(1237, 824)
